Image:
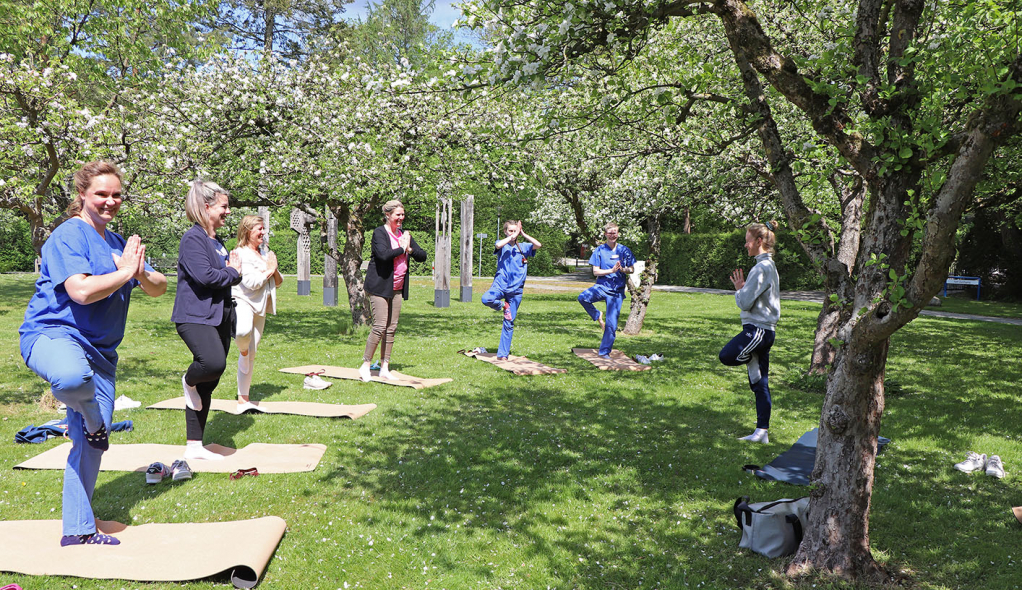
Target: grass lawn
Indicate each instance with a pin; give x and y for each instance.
(961, 304)
(588, 479)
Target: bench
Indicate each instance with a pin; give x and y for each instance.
(963, 282)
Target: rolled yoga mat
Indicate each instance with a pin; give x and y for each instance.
(267, 458)
(519, 365)
(147, 553)
(349, 373)
(315, 409)
(618, 360)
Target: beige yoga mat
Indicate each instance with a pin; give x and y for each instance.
(147, 553)
(618, 360)
(348, 373)
(1017, 511)
(267, 458)
(519, 365)
(315, 409)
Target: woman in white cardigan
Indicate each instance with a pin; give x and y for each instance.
(254, 297)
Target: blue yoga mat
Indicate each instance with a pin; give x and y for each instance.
(795, 465)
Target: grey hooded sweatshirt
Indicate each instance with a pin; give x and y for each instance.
(760, 297)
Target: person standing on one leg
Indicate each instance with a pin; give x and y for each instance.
(73, 325)
(612, 263)
(508, 283)
(203, 308)
(759, 299)
(386, 279)
(254, 297)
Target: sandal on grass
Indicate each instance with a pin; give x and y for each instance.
(243, 472)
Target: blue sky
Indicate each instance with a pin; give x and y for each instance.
(444, 12)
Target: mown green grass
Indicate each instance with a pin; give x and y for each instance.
(960, 303)
(588, 479)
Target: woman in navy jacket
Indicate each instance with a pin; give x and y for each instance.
(203, 309)
(385, 277)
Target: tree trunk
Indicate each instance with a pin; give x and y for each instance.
(837, 538)
(827, 325)
(350, 263)
(641, 293)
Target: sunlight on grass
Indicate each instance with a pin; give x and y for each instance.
(588, 479)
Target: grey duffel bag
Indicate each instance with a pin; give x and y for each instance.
(773, 529)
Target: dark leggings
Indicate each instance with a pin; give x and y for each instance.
(752, 346)
(209, 346)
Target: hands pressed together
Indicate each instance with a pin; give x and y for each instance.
(738, 278)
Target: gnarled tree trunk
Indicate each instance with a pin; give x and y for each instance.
(351, 218)
(845, 462)
(641, 294)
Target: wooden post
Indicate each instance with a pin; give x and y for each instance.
(442, 256)
(300, 223)
(264, 212)
(329, 262)
(467, 241)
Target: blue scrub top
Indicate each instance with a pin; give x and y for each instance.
(74, 248)
(511, 266)
(604, 258)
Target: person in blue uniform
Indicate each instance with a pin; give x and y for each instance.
(512, 268)
(612, 263)
(73, 325)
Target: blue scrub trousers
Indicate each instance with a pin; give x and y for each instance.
(614, 301)
(88, 393)
(493, 298)
(752, 347)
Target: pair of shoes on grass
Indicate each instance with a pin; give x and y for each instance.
(992, 465)
(314, 381)
(177, 471)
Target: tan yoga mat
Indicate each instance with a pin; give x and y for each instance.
(348, 373)
(1017, 511)
(268, 458)
(618, 360)
(315, 409)
(519, 365)
(148, 552)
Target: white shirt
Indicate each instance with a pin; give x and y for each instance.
(255, 288)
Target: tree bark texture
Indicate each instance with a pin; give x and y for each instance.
(351, 218)
(837, 538)
(641, 294)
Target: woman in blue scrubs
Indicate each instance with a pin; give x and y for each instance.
(72, 328)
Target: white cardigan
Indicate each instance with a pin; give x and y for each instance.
(256, 287)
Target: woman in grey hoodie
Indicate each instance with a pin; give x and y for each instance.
(759, 299)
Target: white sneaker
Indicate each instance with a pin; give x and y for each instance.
(758, 436)
(316, 382)
(994, 467)
(246, 406)
(199, 452)
(973, 462)
(125, 403)
(192, 399)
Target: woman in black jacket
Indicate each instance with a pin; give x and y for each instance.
(203, 309)
(387, 275)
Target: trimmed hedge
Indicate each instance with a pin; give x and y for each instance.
(707, 260)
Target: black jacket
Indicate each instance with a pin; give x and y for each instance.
(203, 280)
(380, 274)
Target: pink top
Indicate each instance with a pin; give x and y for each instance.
(400, 263)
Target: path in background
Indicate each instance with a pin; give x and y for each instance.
(584, 278)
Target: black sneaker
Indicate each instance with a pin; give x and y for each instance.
(156, 472)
